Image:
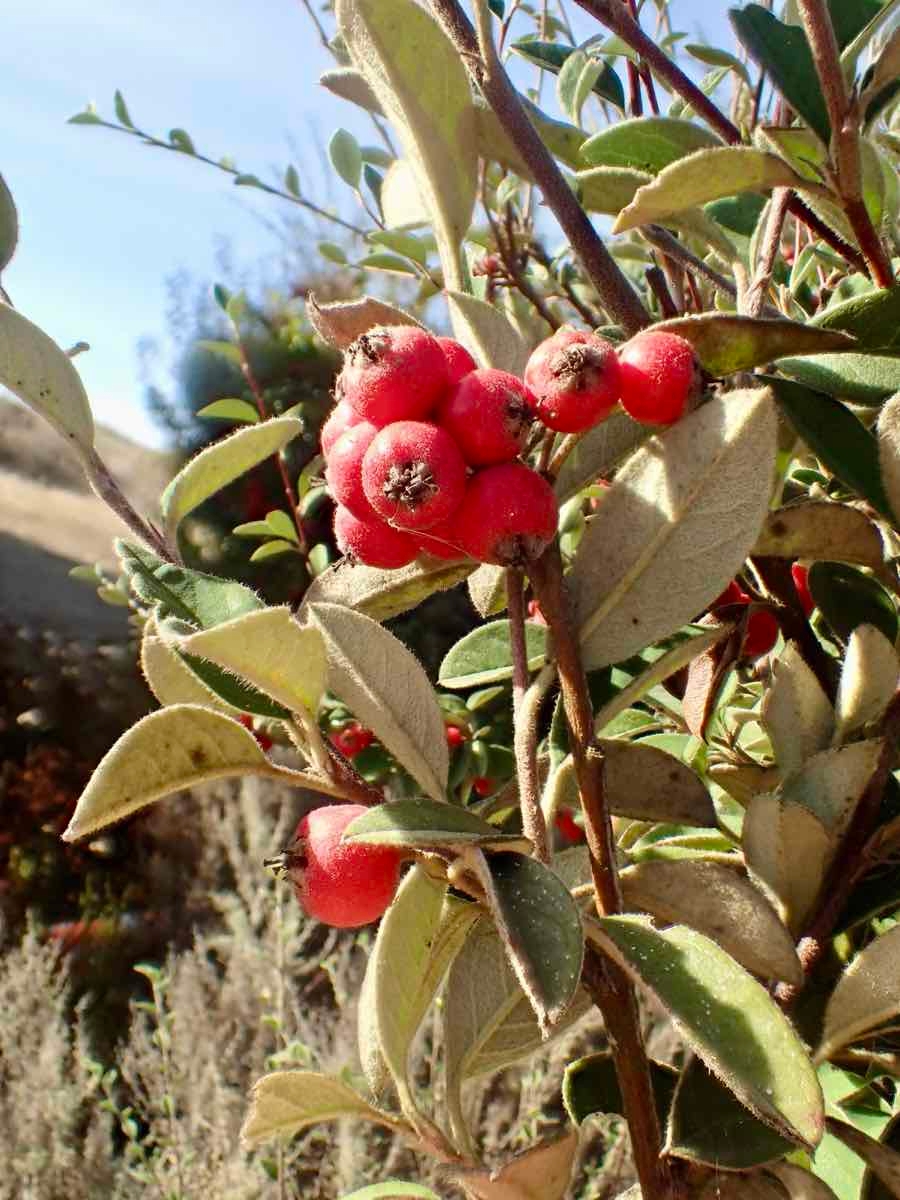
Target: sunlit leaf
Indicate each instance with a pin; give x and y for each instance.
(725, 343)
(342, 321)
(484, 655)
(283, 1103)
(867, 995)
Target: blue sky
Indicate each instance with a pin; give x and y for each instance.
(106, 221)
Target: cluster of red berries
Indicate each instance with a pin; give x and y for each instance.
(423, 449)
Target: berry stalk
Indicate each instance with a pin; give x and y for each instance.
(609, 986)
(525, 722)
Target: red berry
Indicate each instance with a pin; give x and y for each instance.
(567, 827)
(440, 542)
(488, 414)
(352, 739)
(264, 741)
(575, 377)
(488, 264)
(343, 416)
(659, 373)
(372, 542)
(508, 515)
(344, 471)
(482, 786)
(394, 373)
(414, 475)
(455, 736)
(459, 361)
(535, 614)
(800, 576)
(733, 594)
(341, 885)
(761, 635)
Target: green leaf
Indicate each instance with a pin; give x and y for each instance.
(849, 598)
(591, 1088)
(866, 378)
(720, 902)
(230, 410)
(697, 493)
(283, 1103)
(423, 824)
(269, 650)
(487, 589)
(573, 85)
(173, 749)
(292, 180)
(873, 319)
(351, 85)
(831, 783)
(709, 1124)
(727, 1018)
(822, 529)
(281, 525)
(882, 1162)
(850, 17)
(725, 343)
(381, 594)
(391, 263)
(488, 1022)
(867, 995)
(181, 140)
(9, 225)
(342, 321)
(234, 692)
(539, 924)
(421, 83)
(386, 688)
(226, 350)
(487, 333)
(202, 600)
(484, 655)
(646, 143)
(418, 938)
(121, 109)
(835, 436)
(703, 176)
(220, 464)
(739, 214)
(403, 243)
(795, 712)
(346, 157)
(888, 435)
(41, 375)
(170, 679)
(88, 117)
(868, 680)
(789, 849)
(551, 56)
(712, 56)
(783, 52)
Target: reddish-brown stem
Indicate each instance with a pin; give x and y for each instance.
(775, 574)
(843, 114)
(608, 984)
(762, 277)
(844, 871)
(525, 722)
(506, 248)
(615, 292)
(108, 490)
(259, 399)
(658, 285)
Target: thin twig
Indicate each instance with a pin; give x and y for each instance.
(525, 722)
(843, 113)
(615, 292)
(656, 281)
(539, 254)
(756, 293)
(106, 488)
(510, 258)
(608, 984)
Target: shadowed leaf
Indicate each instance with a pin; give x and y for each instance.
(283, 1103)
(796, 713)
(725, 343)
(818, 529)
(867, 995)
(484, 655)
(381, 594)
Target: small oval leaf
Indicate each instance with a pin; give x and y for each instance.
(867, 995)
(821, 529)
(283, 1103)
(383, 594)
(484, 655)
(725, 343)
(423, 824)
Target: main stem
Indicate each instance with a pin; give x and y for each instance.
(616, 293)
(610, 987)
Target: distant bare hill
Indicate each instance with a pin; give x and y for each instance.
(50, 520)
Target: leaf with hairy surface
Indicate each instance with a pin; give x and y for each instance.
(381, 594)
(540, 1173)
(675, 527)
(487, 333)
(283, 1103)
(796, 713)
(789, 849)
(867, 995)
(725, 343)
(824, 530)
(484, 655)
(727, 1018)
(646, 143)
(343, 321)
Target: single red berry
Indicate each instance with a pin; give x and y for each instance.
(508, 515)
(373, 542)
(263, 739)
(659, 373)
(342, 417)
(352, 739)
(488, 415)
(575, 377)
(394, 373)
(414, 475)
(800, 575)
(455, 736)
(567, 827)
(341, 885)
(440, 542)
(761, 635)
(733, 594)
(459, 361)
(482, 786)
(488, 264)
(344, 471)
